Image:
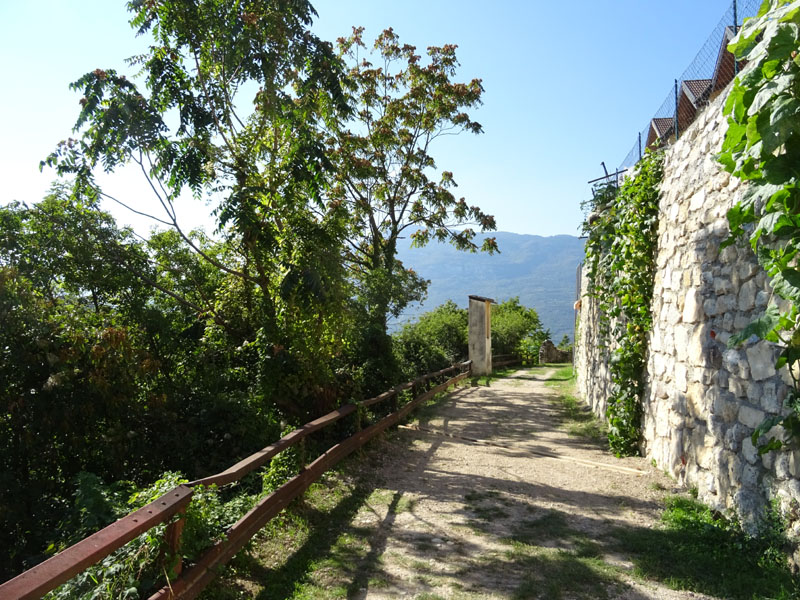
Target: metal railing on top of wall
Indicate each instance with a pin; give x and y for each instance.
(704, 79)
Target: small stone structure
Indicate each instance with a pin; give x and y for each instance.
(703, 400)
(548, 353)
(480, 334)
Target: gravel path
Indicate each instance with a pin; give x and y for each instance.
(487, 497)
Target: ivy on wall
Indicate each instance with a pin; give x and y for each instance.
(620, 254)
(762, 146)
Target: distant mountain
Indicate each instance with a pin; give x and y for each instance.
(542, 271)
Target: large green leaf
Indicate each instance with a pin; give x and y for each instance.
(761, 327)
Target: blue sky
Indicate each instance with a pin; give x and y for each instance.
(568, 85)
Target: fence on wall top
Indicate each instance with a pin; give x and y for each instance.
(702, 81)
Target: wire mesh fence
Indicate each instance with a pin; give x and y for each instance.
(702, 81)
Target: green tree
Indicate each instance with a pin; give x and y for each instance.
(227, 107)
(436, 340)
(565, 343)
(512, 322)
(385, 170)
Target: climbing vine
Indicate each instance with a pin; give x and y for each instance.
(620, 252)
(762, 146)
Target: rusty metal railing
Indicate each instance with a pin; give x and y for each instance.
(59, 569)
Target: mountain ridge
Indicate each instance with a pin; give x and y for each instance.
(541, 270)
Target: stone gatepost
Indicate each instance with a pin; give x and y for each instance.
(480, 334)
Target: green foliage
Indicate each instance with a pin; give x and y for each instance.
(762, 146)
(516, 328)
(436, 340)
(440, 337)
(136, 568)
(620, 252)
(102, 371)
(528, 349)
(701, 550)
(384, 175)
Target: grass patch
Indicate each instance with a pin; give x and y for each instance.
(577, 419)
(553, 573)
(701, 551)
(311, 550)
(484, 505)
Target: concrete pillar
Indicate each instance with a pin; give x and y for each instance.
(480, 334)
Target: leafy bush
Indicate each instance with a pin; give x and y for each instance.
(437, 340)
(620, 252)
(515, 325)
(139, 566)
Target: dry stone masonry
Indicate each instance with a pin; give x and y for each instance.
(549, 353)
(703, 400)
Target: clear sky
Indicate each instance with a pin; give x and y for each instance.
(568, 85)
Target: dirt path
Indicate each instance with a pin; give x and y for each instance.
(487, 497)
(484, 496)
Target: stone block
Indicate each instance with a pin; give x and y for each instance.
(748, 269)
(730, 441)
(722, 379)
(697, 200)
(734, 466)
(782, 470)
(768, 460)
(794, 464)
(716, 427)
(722, 285)
(750, 505)
(659, 363)
(747, 296)
(682, 336)
(749, 416)
(749, 451)
(728, 255)
(737, 387)
(726, 303)
(698, 345)
(704, 456)
(754, 392)
(741, 321)
(750, 476)
(725, 407)
(761, 357)
(710, 307)
(696, 401)
(680, 377)
(770, 401)
(676, 420)
(727, 322)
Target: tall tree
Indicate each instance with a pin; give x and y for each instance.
(386, 173)
(228, 105)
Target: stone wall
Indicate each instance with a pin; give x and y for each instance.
(703, 400)
(549, 353)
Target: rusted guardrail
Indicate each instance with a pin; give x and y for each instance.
(60, 568)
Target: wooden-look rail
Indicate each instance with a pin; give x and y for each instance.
(60, 568)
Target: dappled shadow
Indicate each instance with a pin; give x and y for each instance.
(518, 530)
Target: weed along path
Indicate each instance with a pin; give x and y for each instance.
(502, 489)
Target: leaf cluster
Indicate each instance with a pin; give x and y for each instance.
(620, 254)
(762, 146)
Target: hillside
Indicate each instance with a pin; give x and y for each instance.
(540, 270)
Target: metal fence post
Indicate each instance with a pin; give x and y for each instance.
(677, 131)
(640, 145)
(735, 31)
(172, 537)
